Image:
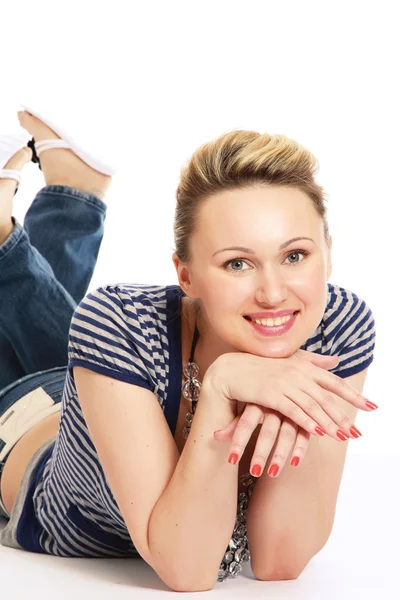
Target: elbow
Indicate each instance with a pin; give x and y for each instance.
(280, 572)
(190, 586)
(184, 581)
(284, 574)
(284, 563)
(178, 583)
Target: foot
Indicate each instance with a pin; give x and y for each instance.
(7, 191)
(61, 166)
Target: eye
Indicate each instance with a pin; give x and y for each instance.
(239, 261)
(304, 253)
(233, 261)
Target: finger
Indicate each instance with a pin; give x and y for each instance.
(338, 385)
(272, 428)
(225, 434)
(320, 360)
(249, 420)
(333, 419)
(289, 403)
(300, 447)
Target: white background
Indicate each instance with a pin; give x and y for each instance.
(148, 82)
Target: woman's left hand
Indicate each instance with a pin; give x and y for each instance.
(292, 440)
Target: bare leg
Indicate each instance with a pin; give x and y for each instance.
(61, 166)
(7, 190)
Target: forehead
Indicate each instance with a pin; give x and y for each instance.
(264, 213)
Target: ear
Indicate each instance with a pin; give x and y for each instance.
(184, 278)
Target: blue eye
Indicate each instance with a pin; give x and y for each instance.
(234, 260)
(304, 253)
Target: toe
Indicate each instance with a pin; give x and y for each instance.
(35, 126)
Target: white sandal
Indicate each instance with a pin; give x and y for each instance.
(68, 142)
(9, 145)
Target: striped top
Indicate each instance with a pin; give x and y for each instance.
(133, 333)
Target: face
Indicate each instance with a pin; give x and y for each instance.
(267, 275)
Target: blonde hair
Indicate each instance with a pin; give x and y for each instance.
(238, 160)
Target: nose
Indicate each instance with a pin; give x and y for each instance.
(271, 288)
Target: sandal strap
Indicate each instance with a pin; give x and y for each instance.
(10, 174)
(43, 145)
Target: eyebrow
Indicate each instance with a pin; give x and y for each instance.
(249, 251)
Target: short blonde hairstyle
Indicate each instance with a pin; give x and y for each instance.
(239, 160)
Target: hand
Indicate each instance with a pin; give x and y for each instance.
(292, 439)
(271, 423)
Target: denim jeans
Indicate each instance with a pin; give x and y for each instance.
(45, 269)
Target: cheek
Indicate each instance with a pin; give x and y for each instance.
(310, 287)
(222, 298)
(312, 293)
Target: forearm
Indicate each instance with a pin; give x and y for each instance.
(287, 518)
(193, 520)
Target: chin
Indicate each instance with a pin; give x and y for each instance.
(279, 353)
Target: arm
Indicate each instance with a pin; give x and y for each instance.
(290, 518)
(193, 521)
(180, 511)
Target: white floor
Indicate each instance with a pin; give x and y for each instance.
(361, 558)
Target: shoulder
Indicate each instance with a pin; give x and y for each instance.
(133, 303)
(126, 331)
(345, 311)
(348, 330)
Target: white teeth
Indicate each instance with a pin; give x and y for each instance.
(273, 322)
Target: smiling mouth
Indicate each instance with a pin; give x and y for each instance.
(270, 322)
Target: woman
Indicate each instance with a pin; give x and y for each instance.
(129, 471)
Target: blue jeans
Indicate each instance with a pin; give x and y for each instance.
(45, 269)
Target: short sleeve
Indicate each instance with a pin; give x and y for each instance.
(107, 336)
(354, 342)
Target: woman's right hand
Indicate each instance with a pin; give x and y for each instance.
(293, 386)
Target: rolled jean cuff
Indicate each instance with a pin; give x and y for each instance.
(12, 239)
(79, 194)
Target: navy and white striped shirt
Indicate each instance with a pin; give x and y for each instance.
(133, 333)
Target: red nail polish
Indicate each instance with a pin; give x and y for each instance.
(295, 461)
(273, 470)
(320, 431)
(233, 458)
(256, 470)
(354, 431)
(371, 404)
(341, 435)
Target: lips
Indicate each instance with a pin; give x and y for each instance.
(281, 313)
(272, 315)
(277, 330)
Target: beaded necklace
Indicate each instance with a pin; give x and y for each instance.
(237, 551)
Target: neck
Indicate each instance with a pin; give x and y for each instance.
(207, 349)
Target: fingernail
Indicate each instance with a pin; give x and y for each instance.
(273, 470)
(354, 431)
(295, 461)
(233, 458)
(320, 431)
(371, 405)
(256, 470)
(341, 435)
